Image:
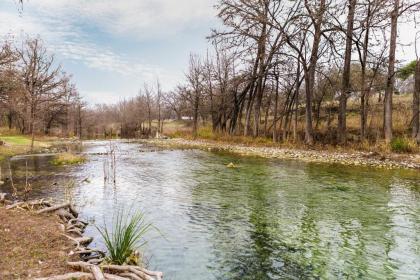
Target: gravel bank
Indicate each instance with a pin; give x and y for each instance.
(348, 158)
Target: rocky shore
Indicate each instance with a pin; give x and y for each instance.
(356, 158)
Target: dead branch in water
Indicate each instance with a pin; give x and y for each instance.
(53, 208)
(110, 164)
(70, 276)
(14, 194)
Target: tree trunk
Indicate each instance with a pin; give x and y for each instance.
(310, 73)
(10, 119)
(195, 114)
(267, 112)
(416, 103)
(345, 90)
(389, 90)
(309, 139)
(276, 102)
(295, 122)
(248, 111)
(32, 127)
(260, 79)
(79, 121)
(365, 89)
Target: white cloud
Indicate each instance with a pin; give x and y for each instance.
(136, 18)
(65, 37)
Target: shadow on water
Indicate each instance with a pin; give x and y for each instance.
(265, 219)
(45, 179)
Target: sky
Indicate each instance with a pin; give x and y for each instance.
(112, 47)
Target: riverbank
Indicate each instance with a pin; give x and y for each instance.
(375, 159)
(12, 145)
(31, 245)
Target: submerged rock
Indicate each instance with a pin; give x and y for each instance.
(231, 165)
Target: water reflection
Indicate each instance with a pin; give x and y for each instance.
(266, 219)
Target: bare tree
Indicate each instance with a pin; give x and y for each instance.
(159, 105)
(195, 79)
(40, 79)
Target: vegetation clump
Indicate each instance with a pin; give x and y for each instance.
(400, 145)
(125, 237)
(68, 159)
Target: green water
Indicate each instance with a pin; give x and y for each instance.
(310, 220)
(266, 219)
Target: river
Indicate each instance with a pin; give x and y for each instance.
(264, 219)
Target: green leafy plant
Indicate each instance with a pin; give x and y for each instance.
(400, 145)
(125, 237)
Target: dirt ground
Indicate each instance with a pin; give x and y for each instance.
(31, 245)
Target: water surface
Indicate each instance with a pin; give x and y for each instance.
(265, 219)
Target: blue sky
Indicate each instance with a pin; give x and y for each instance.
(113, 47)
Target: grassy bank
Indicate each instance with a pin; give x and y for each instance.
(20, 144)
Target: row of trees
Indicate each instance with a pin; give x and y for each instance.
(35, 94)
(273, 59)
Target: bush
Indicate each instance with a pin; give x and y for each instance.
(125, 238)
(400, 145)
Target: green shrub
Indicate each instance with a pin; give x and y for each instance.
(400, 145)
(125, 237)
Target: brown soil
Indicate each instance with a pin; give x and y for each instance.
(31, 245)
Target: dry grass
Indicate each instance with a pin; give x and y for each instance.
(30, 245)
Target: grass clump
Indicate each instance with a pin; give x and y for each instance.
(68, 159)
(400, 145)
(125, 237)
